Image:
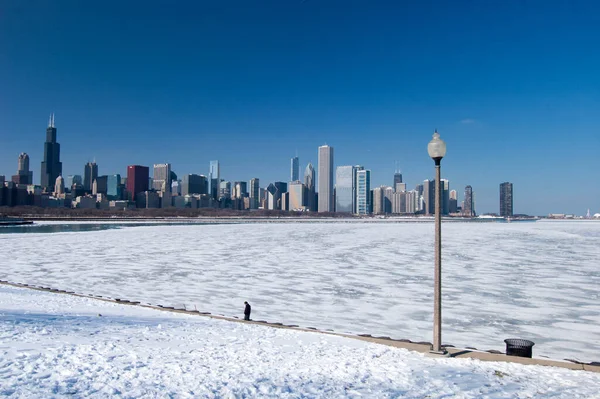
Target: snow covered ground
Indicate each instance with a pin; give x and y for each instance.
(54, 345)
(537, 281)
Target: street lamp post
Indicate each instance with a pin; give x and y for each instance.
(437, 149)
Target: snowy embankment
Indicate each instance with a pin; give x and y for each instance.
(56, 345)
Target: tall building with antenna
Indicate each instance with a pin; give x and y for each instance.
(51, 165)
(90, 173)
(295, 169)
(397, 178)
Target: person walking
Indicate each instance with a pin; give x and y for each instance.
(247, 311)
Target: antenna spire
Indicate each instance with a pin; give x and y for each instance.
(51, 120)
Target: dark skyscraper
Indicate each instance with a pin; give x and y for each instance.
(397, 180)
(51, 165)
(254, 193)
(90, 174)
(309, 182)
(214, 179)
(429, 197)
(295, 169)
(137, 180)
(468, 204)
(193, 184)
(506, 199)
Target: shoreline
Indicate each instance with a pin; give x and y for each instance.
(421, 347)
(29, 219)
(14, 222)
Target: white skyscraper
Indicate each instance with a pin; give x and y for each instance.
(363, 191)
(162, 177)
(59, 186)
(325, 177)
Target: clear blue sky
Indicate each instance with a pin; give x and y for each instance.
(512, 87)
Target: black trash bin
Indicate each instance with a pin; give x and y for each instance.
(518, 347)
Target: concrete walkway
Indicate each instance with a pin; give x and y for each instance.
(490, 356)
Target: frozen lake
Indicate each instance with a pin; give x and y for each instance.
(538, 281)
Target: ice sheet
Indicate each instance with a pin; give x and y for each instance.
(537, 281)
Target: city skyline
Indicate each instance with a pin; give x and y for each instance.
(373, 85)
(347, 193)
(343, 186)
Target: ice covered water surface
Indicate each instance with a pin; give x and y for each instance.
(537, 281)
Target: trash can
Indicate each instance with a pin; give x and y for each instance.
(518, 347)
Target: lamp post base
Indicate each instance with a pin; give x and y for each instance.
(441, 353)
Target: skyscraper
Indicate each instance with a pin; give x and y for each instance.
(214, 179)
(382, 200)
(281, 186)
(254, 193)
(388, 198)
(51, 165)
(240, 189)
(24, 175)
(453, 202)
(23, 165)
(176, 187)
(296, 191)
(101, 184)
(295, 170)
(274, 194)
(419, 202)
(224, 190)
(271, 196)
(397, 180)
(445, 193)
(114, 189)
(137, 180)
(325, 179)
(309, 183)
(90, 173)
(161, 180)
(345, 189)
(429, 197)
(363, 191)
(506, 199)
(468, 205)
(412, 199)
(59, 186)
(193, 184)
